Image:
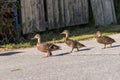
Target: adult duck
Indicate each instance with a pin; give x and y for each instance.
(104, 39)
(45, 47)
(72, 43)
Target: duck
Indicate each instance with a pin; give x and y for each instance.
(45, 47)
(104, 39)
(72, 43)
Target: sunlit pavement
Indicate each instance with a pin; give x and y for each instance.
(90, 63)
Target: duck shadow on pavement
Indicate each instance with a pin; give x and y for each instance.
(62, 54)
(9, 53)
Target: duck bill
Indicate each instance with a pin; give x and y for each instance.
(33, 38)
(62, 33)
(98, 35)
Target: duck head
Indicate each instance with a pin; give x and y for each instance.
(66, 32)
(98, 33)
(37, 36)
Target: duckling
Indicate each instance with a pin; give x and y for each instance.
(104, 39)
(45, 47)
(72, 43)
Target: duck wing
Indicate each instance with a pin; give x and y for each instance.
(74, 43)
(70, 42)
(51, 46)
(80, 45)
(105, 40)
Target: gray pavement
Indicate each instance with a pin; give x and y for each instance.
(90, 63)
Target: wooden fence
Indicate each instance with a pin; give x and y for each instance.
(39, 15)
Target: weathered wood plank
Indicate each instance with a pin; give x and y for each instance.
(23, 14)
(41, 14)
(108, 9)
(97, 9)
(71, 12)
(113, 12)
(23, 11)
(103, 11)
(61, 13)
(80, 11)
(30, 16)
(26, 11)
(85, 12)
(55, 13)
(26, 15)
(66, 12)
(35, 14)
(77, 12)
(50, 14)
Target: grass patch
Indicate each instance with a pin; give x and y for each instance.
(76, 33)
(16, 46)
(83, 33)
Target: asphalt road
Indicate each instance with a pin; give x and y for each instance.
(90, 63)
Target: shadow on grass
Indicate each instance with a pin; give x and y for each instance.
(9, 53)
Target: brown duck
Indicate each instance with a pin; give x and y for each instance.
(104, 39)
(45, 47)
(72, 43)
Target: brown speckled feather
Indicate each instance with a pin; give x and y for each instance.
(105, 40)
(47, 46)
(73, 43)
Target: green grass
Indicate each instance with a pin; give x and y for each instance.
(81, 33)
(16, 46)
(78, 33)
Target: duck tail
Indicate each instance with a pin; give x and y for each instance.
(54, 47)
(114, 40)
(81, 45)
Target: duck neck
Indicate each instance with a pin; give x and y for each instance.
(39, 40)
(99, 35)
(67, 36)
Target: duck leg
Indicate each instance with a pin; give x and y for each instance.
(72, 49)
(104, 46)
(77, 49)
(111, 45)
(48, 54)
